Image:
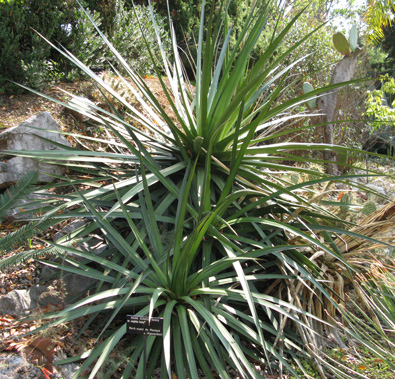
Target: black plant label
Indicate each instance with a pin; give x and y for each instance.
(144, 325)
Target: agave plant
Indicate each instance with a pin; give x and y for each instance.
(203, 227)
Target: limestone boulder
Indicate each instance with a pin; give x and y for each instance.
(32, 134)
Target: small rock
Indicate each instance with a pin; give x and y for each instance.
(77, 284)
(29, 206)
(19, 302)
(50, 297)
(15, 303)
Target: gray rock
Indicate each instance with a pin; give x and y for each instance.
(48, 272)
(31, 205)
(69, 228)
(24, 137)
(74, 284)
(15, 366)
(35, 292)
(50, 297)
(15, 303)
(95, 244)
(19, 302)
(77, 284)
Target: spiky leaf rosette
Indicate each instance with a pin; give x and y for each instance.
(201, 226)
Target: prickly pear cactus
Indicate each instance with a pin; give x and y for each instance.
(341, 44)
(307, 87)
(369, 208)
(295, 178)
(353, 38)
(346, 199)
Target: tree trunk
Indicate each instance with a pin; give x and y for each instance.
(343, 72)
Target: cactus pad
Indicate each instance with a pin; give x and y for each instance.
(369, 208)
(341, 44)
(353, 38)
(307, 87)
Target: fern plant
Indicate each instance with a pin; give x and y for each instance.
(9, 200)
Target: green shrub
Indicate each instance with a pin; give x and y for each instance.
(84, 42)
(134, 35)
(106, 9)
(27, 59)
(184, 13)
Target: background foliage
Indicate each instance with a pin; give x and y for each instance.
(26, 58)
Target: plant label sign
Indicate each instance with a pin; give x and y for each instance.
(144, 325)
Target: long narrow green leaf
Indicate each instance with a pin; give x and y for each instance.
(244, 284)
(182, 208)
(218, 364)
(186, 337)
(167, 321)
(226, 338)
(104, 349)
(178, 349)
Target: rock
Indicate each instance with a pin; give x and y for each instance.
(24, 137)
(50, 298)
(28, 207)
(74, 284)
(15, 303)
(77, 284)
(74, 225)
(15, 366)
(19, 302)
(96, 244)
(35, 292)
